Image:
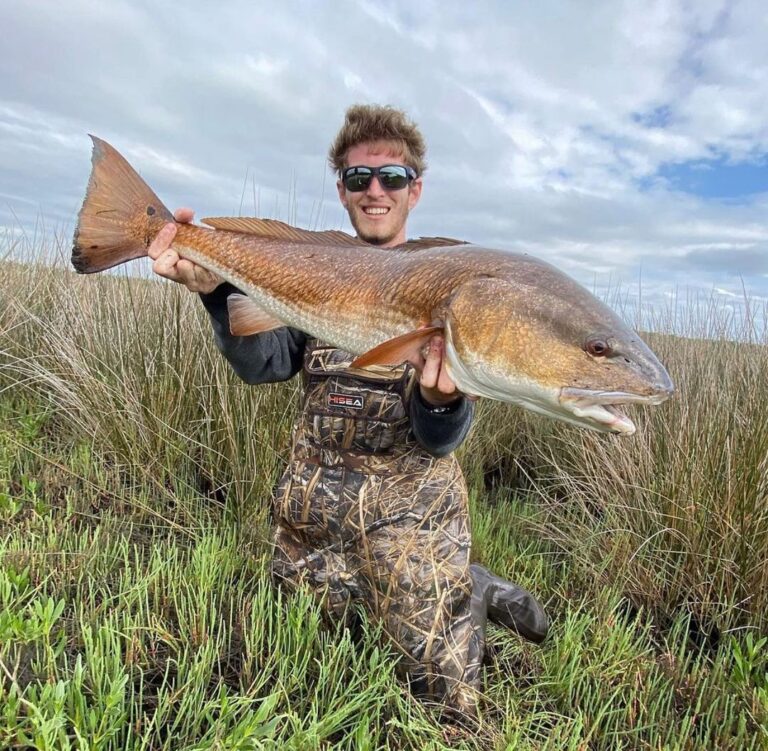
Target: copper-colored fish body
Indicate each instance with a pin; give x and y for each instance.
(516, 328)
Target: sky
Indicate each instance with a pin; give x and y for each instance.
(625, 142)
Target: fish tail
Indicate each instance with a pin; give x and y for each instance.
(120, 215)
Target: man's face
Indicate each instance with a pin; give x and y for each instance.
(378, 215)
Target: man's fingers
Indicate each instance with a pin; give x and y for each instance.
(184, 215)
(207, 281)
(445, 384)
(196, 278)
(186, 273)
(165, 236)
(437, 386)
(431, 371)
(162, 241)
(165, 265)
(168, 264)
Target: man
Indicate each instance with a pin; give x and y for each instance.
(372, 506)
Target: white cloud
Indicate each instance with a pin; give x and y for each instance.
(547, 124)
(175, 167)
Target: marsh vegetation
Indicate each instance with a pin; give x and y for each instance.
(135, 607)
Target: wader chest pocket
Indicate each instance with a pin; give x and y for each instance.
(353, 410)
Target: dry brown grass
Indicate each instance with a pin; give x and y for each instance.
(132, 444)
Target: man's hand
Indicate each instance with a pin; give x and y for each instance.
(436, 385)
(169, 265)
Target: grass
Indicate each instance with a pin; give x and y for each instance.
(136, 610)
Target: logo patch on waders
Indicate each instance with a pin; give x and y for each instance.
(345, 400)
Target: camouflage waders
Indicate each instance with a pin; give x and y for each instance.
(364, 513)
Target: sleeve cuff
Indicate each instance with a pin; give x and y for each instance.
(449, 408)
(439, 433)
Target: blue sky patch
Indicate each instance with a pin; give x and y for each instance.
(716, 178)
(659, 117)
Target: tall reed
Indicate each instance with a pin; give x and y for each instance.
(135, 478)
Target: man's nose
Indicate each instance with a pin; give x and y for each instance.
(374, 188)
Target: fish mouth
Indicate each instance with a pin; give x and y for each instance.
(602, 409)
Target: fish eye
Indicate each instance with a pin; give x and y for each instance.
(598, 347)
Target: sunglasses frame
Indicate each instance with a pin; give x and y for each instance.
(410, 176)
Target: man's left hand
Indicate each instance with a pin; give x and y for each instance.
(436, 385)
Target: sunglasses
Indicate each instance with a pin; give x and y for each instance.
(391, 177)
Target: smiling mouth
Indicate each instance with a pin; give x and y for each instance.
(375, 210)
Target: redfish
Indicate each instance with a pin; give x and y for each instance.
(516, 329)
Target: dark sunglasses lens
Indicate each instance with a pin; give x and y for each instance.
(357, 179)
(393, 178)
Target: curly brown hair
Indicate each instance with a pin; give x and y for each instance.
(368, 123)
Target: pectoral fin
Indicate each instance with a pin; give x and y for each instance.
(398, 350)
(246, 317)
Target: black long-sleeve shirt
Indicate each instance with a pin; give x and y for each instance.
(278, 355)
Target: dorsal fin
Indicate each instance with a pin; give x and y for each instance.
(280, 230)
(422, 243)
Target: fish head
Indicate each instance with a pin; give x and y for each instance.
(540, 340)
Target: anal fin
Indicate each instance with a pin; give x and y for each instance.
(246, 317)
(398, 350)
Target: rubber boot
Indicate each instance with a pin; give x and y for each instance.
(507, 604)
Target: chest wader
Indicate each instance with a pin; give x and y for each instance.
(364, 513)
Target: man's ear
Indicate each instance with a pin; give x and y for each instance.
(342, 193)
(414, 192)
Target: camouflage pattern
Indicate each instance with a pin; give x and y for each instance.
(365, 514)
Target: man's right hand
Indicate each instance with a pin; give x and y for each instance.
(169, 265)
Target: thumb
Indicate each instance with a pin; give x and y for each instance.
(184, 215)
